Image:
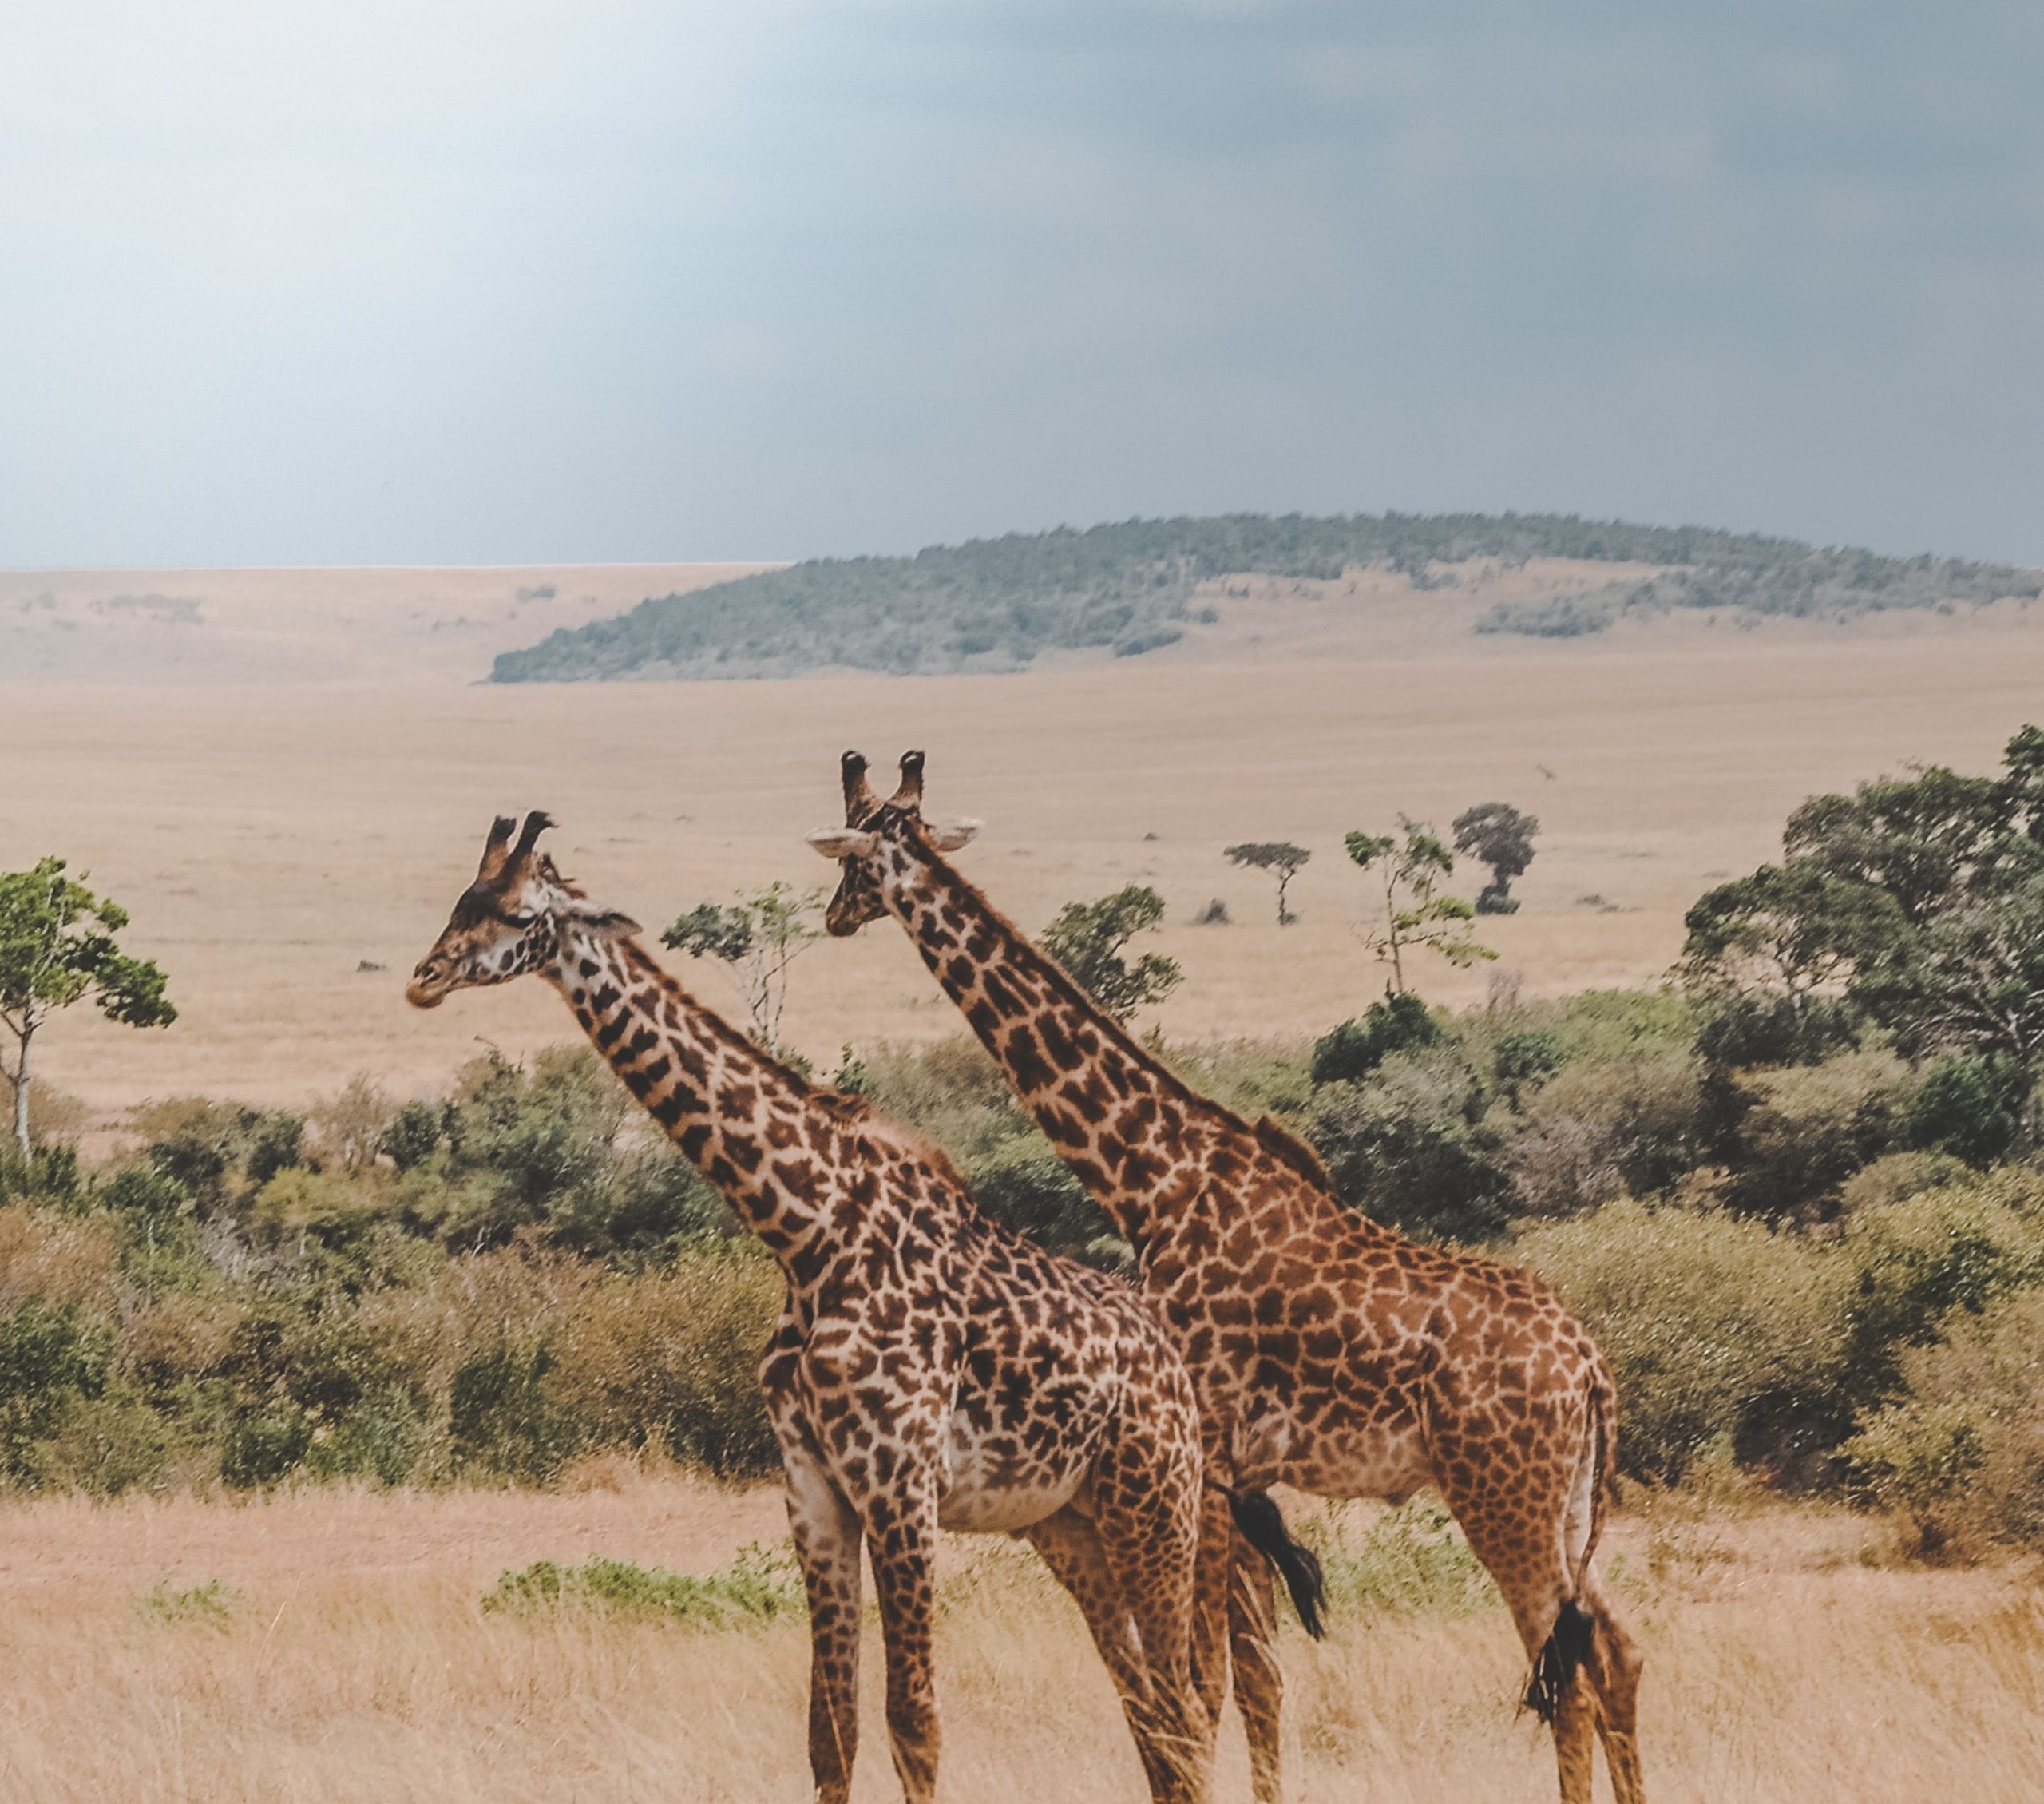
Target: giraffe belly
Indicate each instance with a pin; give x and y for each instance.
(995, 1481)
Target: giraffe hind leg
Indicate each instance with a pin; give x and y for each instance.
(1259, 1679)
(1614, 1666)
(1070, 1546)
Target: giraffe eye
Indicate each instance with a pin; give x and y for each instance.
(521, 921)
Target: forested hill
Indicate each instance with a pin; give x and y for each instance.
(1136, 586)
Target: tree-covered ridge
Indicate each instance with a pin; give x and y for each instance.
(1130, 588)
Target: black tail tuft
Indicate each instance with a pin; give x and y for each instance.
(1262, 1525)
(1564, 1653)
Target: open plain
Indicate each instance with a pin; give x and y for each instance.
(288, 848)
(346, 1658)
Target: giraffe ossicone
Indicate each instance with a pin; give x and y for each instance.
(929, 1369)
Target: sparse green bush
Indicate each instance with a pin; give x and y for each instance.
(1023, 1184)
(1802, 1130)
(213, 1604)
(1970, 1107)
(1413, 1562)
(760, 1585)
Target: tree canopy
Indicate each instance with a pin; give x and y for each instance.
(1411, 864)
(1280, 857)
(1090, 939)
(1497, 834)
(57, 947)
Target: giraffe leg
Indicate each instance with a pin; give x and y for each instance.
(1614, 1666)
(826, 1537)
(1259, 1679)
(1517, 1537)
(901, 1537)
(1070, 1546)
(1152, 1558)
(1211, 1590)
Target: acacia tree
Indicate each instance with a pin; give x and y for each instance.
(1278, 855)
(57, 948)
(1411, 865)
(759, 934)
(1089, 939)
(1497, 834)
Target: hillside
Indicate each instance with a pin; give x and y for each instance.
(1138, 586)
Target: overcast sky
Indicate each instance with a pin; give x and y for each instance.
(455, 281)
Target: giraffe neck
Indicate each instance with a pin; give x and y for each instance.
(757, 1132)
(1126, 1124)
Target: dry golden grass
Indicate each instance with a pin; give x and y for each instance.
(1782, 1668)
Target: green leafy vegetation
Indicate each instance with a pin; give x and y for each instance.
(57, 948)
(1130, 587)
(1090, 939)
(758, 1586)
(213, 1604)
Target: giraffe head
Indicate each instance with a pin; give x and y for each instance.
(513, 919)
(871, 828)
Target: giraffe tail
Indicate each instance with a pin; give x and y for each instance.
(1262, 1525)
(1571, 1642)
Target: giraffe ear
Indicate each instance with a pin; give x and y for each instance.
(949, 838)
(843, 843)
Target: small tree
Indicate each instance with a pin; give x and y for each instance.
(1411, 864)
(57, 947)
(759, 934)
(1278, 855)
(1088, 939)
(1497, 834)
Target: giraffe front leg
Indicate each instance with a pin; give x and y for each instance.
(827, 1543)
(1210, 1604)
(901, 1535)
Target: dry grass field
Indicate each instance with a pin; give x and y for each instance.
(352, 1662)
(290, 848)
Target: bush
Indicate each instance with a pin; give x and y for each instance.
(1961, 1453)
(1971, 1109)
(760, 1584)
(1413, 1562)
(1401, 1022)
(1025, 1185)
(670, 1359)
(1801, 1131)
(1724, 1336)
(1402, 1146)
(1916, 1266)
(1603, 1128)
(264, 1445)
(1525, 1055)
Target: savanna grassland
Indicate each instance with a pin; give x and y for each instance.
(336, 1339)
(334, 1645)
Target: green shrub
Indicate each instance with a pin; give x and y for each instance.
(1724, 1336)
(760, 1585)
(1023, 1184)
(1916, 1266)
(1525, 1055)
(1412, 1562)
(1400, 1023)
(1602, 1127)
(1971, 1109)
(264, 1445)
(101, 1446)
(498, 1418)
(213, 1604)
(1402, 1146)
(670, 1359)
(1961, 1453)
(1802, 1130)
(49, 1360)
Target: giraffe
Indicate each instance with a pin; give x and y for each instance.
(929, 1369)
(1329, 1352)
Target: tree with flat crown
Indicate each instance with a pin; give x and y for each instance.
(1278, 855)
(57, 948)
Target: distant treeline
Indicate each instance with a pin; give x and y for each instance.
(999, 603)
